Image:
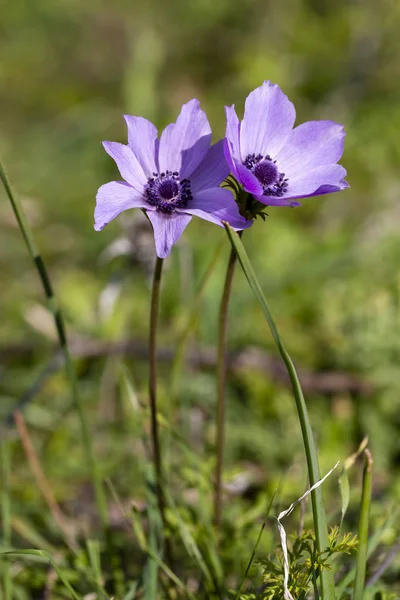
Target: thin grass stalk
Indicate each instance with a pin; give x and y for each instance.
(361, 562)
(6, 514)
(221, 384)
(238, 595)
(319, 516)
(62, 338)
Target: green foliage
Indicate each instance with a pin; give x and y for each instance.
(305, 565)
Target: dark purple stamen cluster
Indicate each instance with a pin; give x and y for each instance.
(265, 169)
(167, 192)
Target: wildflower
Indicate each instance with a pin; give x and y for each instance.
(172, 178)
(276, 163)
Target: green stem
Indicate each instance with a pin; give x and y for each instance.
(62, 338)
(361, 563)
(221, 384)
(6, 514)
(320, 523)
(155, 436)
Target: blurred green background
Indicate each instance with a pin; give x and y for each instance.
(330, 269)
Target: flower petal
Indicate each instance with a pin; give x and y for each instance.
(322, 180)
(229, 153)
(167, 230)
(311, 145)
(184, 144)
(216, 205)
(268, 119)
(233, 131)
(143, 141)
(128, 164)
(112, 199)
(212, 171)
(276, 201)
(249, 181)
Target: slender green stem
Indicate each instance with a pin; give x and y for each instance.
(320, 523)
(361, 563)
(62, 338)
(155, 436)
(221, 383)
(6, 514)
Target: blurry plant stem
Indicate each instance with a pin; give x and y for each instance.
(221, 384)
(362, 554)
(319, 515)
(155, 436)
(62, 338)
(6, 513)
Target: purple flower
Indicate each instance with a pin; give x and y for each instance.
(276, 163)
(172, 178)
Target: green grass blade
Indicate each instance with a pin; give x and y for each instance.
(372, 546)
(26, 531)
(190, 543)
(6, 513)
(47, 558)
(361, 563)
(344, 485)
(131, 593)
(54, 308)
(93, 547)
(320, 522)
(255, 546)
(190, 322)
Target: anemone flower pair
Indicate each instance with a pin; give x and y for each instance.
(172, 178)
(178, 176)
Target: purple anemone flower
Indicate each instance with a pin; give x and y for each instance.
(276, 163)
(172, 178)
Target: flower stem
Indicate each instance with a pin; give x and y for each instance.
(5, 447)
(155, 437)
(221, 383)
(62, 338)
(319, 516)
(362, 554)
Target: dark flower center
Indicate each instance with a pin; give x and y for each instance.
(264, 168)
(166, 191)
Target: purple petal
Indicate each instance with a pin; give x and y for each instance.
(233, 133)
(274, 201)
(329, 189)
(249, 181)
(311, 145)
(322, 180)
(212, 171)
(128, 164)
(268, 119)
(112, 199)
(216, 205)
(143, 141)
(167, 230)
(228, 152)
(184, 144)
